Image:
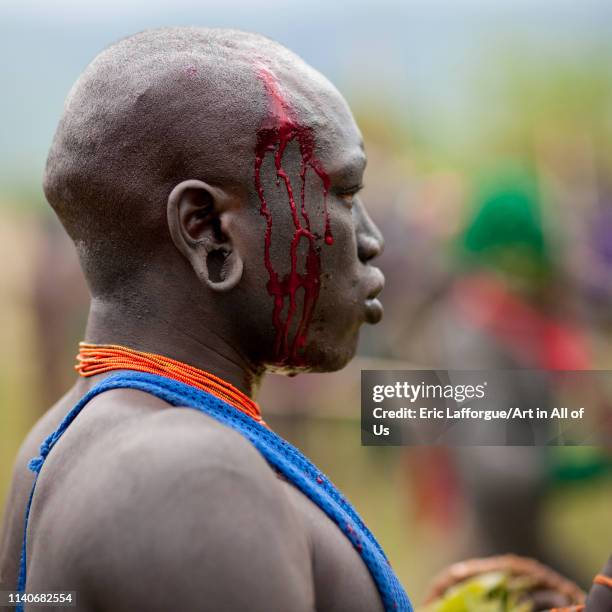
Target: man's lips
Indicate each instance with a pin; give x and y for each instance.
(373, 311)
(373, 307)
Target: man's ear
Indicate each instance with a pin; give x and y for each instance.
(196, 212)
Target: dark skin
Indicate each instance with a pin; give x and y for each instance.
(142, 506)
(599, 598)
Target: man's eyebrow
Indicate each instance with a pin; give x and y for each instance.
(349, 169)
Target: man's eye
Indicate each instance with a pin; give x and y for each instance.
(348, 196)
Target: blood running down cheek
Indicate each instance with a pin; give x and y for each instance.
(280, 128)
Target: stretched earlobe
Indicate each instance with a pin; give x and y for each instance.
(223, 270)
(197, 214)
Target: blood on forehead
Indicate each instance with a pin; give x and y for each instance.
(280, 127)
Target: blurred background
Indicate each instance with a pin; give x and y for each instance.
(488, 127)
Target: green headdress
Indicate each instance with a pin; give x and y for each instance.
(505, 231)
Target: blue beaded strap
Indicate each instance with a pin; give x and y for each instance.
(279, 454)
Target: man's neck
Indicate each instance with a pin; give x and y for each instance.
(113, 323)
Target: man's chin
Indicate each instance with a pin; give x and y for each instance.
(318, 357)
(335, 361)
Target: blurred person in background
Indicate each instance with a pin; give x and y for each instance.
(501, 311)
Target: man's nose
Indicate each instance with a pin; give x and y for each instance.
(370, 242)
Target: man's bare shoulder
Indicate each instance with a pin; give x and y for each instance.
(164, 494)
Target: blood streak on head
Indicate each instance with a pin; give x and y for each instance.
(279, 129)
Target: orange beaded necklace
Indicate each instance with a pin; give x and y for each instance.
(101, 358)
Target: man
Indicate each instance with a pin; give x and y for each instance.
(209, 180)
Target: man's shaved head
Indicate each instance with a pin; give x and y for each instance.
(153, 109)
(211, 176)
